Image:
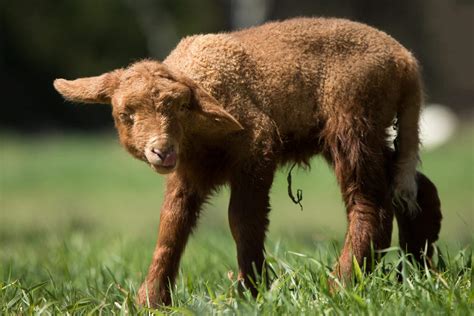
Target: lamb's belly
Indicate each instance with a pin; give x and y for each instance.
(299, 145)
(299, 125)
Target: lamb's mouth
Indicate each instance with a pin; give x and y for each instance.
(163, 169)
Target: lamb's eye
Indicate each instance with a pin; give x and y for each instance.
(184, 106)
(127, 117)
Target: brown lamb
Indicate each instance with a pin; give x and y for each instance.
(230, 108)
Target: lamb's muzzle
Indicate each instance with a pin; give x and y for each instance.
(162, 159)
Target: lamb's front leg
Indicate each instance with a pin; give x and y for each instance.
(248, 219)
(178, 217)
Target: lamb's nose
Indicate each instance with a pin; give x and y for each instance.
(166, 158)
(159, 153)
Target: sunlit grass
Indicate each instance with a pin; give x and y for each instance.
(78, 221)
(76, 273)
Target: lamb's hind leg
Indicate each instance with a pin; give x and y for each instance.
(418, 231)
(363, 179)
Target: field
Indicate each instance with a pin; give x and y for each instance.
(78, 222)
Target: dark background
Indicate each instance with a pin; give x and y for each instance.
(44, 40)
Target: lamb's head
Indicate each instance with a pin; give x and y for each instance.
(155, 110)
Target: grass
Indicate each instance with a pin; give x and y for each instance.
(78, 221)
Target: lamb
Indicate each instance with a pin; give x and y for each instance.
(230, 108)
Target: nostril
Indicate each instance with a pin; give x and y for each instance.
(158, 153)
(162, 154)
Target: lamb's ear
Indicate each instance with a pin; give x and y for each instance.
(97, 89)
(213, 116)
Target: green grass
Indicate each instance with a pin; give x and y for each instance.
(78, 221)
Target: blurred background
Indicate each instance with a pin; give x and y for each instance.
(62, 168)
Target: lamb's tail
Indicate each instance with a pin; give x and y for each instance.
(407, 140)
